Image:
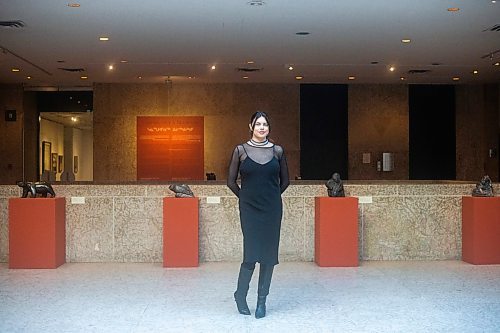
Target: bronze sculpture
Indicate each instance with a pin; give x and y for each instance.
(37, 188)
(181, 191)
(335, 186)
(484, 188)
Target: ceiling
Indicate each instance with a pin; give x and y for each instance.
(166, 41)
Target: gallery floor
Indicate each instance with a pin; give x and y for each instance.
(378, 296)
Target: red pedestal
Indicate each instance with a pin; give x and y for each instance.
(481, 230)
(37, 232)
(180, 232)
(336, 232)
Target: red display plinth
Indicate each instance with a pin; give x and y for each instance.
(336, 232)
(481, 230)
(37, 232)
(180, 232)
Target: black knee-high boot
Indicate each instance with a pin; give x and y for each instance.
(240, 295)
(265, 276)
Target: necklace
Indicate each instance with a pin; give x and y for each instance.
(257, 143)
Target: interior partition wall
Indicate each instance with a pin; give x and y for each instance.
(323, 131)
(432, 133)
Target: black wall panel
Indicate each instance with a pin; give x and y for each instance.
(323, 131)
(432, 132)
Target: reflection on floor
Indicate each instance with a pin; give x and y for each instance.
(411, 296)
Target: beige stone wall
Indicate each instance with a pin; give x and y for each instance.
(378, 123)
(123, 223)
(226, 109)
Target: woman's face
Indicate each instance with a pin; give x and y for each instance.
(260, 130)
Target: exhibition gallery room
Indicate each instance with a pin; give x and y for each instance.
(249, 166)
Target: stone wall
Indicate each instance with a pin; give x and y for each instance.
(123, 223)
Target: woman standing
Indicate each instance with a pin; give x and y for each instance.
(264, 176)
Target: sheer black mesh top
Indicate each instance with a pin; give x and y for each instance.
(261, 155)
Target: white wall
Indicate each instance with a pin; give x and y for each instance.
(83, 148)
(54, 133)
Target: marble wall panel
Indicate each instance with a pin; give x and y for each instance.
(308, 229)
(292, 246)
(385, 235)
(100, 190)
(217, 190)
(434, 226)
(220, 234)
(138, 227)
(425, 223)
(436, 189)
(4, 229)
(305, 190)
(9, 191)
(89, 230)
(371, 190)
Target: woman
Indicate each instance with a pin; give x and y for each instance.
(264, 176)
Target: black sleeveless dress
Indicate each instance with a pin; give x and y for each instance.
(260, 204)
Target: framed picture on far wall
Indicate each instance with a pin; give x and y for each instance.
(75, 164)
(54, 162)
(46, 150)
(60, 164)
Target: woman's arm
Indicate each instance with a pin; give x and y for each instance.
(234, 167)
(284, 178)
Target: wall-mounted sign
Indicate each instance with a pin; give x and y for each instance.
(10, 115)
(170, 148)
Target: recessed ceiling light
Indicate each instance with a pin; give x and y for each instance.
(245, 77)
(298, 77)
(74, 119)
(406, 40)
(190, 77)
(84, 77)
(256, 3)
(453, 9)
(103, 39)
(402, 78)
(74, 5)
(456, 78)
(15, 69)
(392, 68)
(139, 77)
(28, 77)
(493, 1)
(213, 67)
(497, 64)
(303, 33)
(351, 78)
(111, 67)
(290, 68)
(250, 62)
(123, 61)
(475, 71)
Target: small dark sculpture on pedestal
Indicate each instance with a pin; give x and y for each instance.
(181, 191)
(335, 186)
(42, 188)
(483, 188)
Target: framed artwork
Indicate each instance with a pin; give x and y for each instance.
(75, 164)
(46, 151)
(60, 164)
(54, 162)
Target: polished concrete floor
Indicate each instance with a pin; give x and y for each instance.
(411, 296)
